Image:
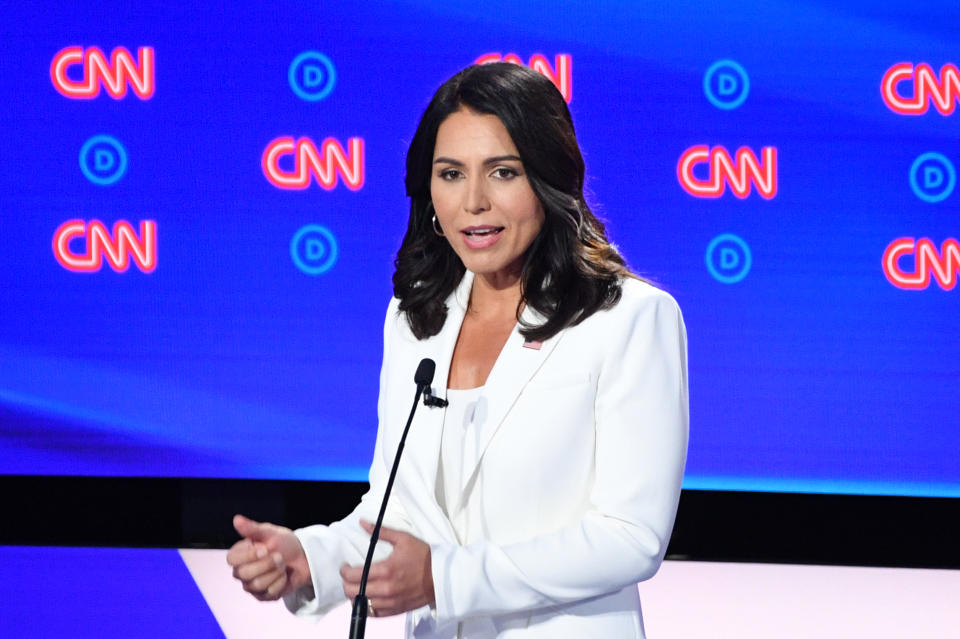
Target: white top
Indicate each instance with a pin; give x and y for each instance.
(462, 419)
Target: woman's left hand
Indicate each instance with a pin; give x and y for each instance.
(401, 582)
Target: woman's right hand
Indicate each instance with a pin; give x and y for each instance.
(269, 560)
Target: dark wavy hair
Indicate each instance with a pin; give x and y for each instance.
(570, 270)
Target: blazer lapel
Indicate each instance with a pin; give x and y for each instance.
(427, 428)
(445, 341)
(516, 364)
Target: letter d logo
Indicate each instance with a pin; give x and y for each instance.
(932, 177)
(103, 159)
(312, 76)
(726, 84)
(728, 258)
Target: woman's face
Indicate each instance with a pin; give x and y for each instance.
(483, 200)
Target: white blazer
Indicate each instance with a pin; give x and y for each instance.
(576, 476)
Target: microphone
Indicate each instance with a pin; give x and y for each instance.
(423, 378)
(358, 618)
(424, 375)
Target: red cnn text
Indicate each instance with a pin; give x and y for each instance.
(924, 87)
(720, 170)
(560, 74)
(302, 159)
(81, 246)
(944, 265)
(95, 71)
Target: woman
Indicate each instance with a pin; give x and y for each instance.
(535, 501)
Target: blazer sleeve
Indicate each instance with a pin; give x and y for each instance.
(641, 422)
(344, 541)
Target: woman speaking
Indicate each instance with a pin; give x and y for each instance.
(534, 501)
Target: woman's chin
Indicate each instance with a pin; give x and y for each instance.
(496, 273)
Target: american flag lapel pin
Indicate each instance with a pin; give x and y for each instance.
(532, 344)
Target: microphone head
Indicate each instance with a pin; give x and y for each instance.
(424, 374)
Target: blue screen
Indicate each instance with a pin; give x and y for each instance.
(200, 207)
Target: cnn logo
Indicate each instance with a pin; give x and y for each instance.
(303, 161)
(94, 71)
(82, 246)
(561, 74)
(943, 266)
(926, 87)
(741, 172)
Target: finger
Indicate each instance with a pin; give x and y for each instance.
(241, 553)
(383, 590)
(351, 589)
(250, 529)
(378, 571)
(381, 609)
(261, 583)
(255, 569)
(276, 589)
(351, 574)
(381, 570)
(247, 553)
(391, 535)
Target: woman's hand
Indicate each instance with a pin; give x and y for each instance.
(269, 560)
(401, 582)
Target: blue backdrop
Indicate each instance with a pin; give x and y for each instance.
(243, 339)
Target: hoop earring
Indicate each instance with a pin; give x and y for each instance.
(436, 227)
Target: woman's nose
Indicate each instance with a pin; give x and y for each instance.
(475, 197)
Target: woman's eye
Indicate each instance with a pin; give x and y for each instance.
(449, 174)
(505, 173)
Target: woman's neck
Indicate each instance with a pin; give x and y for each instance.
(494, 297)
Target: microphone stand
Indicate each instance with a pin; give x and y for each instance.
(358, 618)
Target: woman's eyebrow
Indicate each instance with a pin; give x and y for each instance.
(493, 160)
(501, 158)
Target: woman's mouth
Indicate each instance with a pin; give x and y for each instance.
(479, 237)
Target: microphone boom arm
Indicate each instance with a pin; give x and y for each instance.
(358, 617)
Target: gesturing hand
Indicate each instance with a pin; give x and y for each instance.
(269, 560)
(399, 583)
